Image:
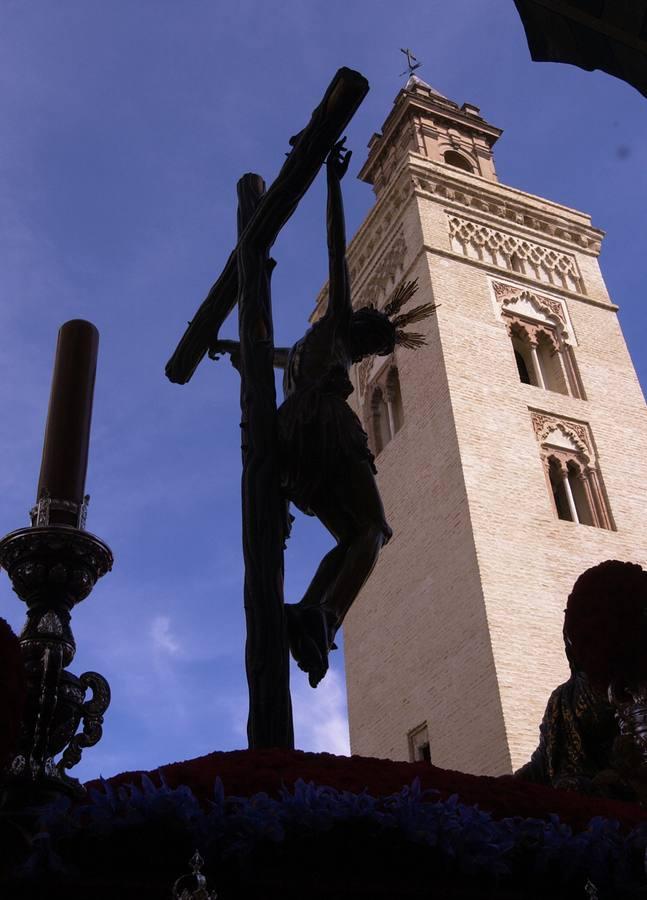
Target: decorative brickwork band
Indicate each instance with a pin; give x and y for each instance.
(385, 274)
(499, 248)
(481, 199)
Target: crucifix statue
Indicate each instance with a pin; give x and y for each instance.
(313, 451)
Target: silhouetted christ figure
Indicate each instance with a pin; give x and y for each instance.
(327, 468)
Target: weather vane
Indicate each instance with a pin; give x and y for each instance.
(412, 62)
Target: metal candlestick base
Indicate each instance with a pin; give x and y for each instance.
(52, 568)
(630, 705)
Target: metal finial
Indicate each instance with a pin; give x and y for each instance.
(591, 890)
(194, 886)
(412, 62)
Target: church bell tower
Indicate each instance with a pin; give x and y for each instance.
(511, 449)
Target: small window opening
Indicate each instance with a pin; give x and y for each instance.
(552, 369)
(394, 401)
(424, 752)
(524, 361)
(380, 415)
(524, 375)
(578, 491)
(384, 411)
(419, 746)
(452, 158)
(559, 489)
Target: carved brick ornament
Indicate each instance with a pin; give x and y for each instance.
(479, 241)
(507, 294)
(504, 208)
(384, 275)
(544, 424)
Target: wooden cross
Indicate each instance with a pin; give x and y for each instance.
(246, 279)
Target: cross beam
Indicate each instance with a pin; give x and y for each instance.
(267, 659)
(310, 148)
(246, 279)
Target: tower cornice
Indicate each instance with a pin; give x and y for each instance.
(492, 203)
(498, 203)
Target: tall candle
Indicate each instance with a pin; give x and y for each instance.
(67, 433)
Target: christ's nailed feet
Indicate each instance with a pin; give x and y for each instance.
(310, 633)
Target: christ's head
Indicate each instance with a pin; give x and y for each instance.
(371, 334)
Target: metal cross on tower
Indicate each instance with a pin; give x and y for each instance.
(412, 62)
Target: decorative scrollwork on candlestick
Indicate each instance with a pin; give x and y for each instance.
(52, 568)
(92, 719)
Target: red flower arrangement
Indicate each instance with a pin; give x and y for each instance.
(13, 690)
(606, 623)
(247, 772)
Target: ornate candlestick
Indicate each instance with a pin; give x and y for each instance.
(53, 565)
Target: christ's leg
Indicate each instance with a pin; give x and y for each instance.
(369, 535)
(311, 628)
(352, 511)
(325, 575)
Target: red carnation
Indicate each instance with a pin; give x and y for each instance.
(13, 690)
(606, 623)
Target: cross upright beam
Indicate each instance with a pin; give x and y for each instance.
(267, 659)
(310, 148)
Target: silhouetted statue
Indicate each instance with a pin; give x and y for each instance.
(327, 468)
(592, 735)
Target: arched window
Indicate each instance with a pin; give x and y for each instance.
(572, 475)
(522, 368)
(380, 427)
(560, 496)
(516, 264)
(568, 477)
(577, 476)
(452, 158)
(550, 362)
(543, 359)
(394, 400)
(523, 357)
(384, 408)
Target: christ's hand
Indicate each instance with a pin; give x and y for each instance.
(338, 159)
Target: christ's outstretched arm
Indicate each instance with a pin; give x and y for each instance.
(339, 308)
(280, 358)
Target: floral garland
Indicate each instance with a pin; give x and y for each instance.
(145, 835)
(606, 623)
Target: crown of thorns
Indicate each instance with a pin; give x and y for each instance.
(404, 292)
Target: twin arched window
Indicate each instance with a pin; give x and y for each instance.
(576, 489)
(572, 475)
(542, 357)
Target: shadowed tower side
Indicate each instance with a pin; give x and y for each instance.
(512, 449)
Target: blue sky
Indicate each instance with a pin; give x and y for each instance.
(124, 128)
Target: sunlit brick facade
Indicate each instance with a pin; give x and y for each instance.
(512, 449)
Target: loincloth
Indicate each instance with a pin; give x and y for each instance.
(319, 434)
